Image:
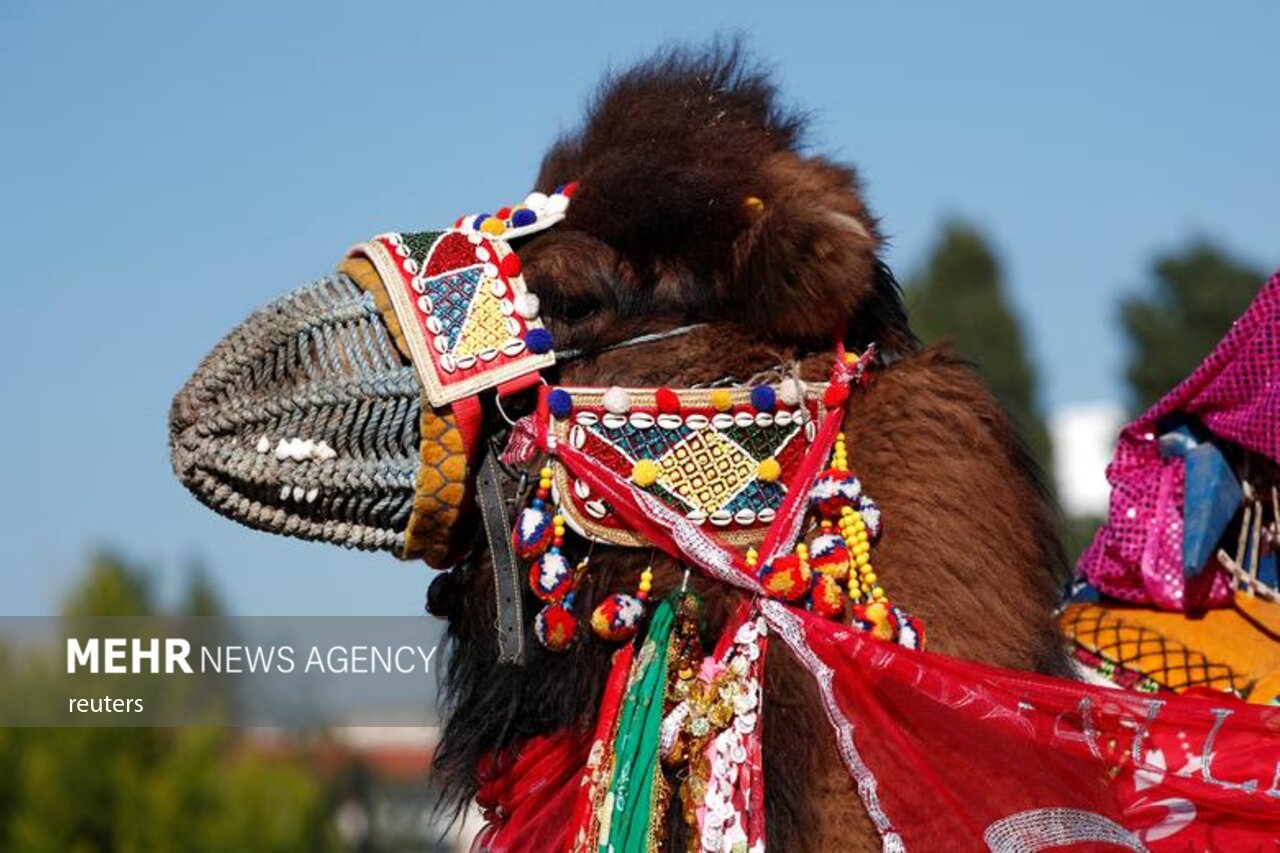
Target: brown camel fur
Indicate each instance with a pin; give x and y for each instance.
(665, 230)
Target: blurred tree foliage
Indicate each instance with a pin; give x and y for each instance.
(97, 790)
(959, 296)
(1194, 295)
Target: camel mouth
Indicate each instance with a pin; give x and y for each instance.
(304, 421)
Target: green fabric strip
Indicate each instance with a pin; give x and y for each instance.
(635, 748)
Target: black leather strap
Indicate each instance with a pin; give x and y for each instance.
(495, 516)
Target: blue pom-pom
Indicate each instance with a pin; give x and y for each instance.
(559, 401)
(523, 217)
(481, 217)
(538, 341)
(763, 397)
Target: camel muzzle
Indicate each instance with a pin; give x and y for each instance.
(305, 420)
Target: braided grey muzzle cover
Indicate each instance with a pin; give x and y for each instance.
(304, 421)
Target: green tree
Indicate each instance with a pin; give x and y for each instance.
(1191, 301)
(99, 790)
(959, 296)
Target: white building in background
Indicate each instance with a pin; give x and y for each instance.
(1084, 437)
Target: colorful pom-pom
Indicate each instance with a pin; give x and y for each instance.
(645, 473)
(786, 577)
(556, 627)
(527, 304)
(493, 225)
(870, 515)
(791, 391)
(551, 576)
(910, 629)
(835, 395)
(559, 402)
(503, 213)
(522, 217)
(569, 189)
(769, 470)
(617, 400)
(617, 617)
(478, 221)
(834, 490)
(721, 399)
(827, 598)
(668, 401)
(753, 204)
(877, 619)
(828, 555)
(538, 341)
(763, 398)
(532, 534)
(511, 265)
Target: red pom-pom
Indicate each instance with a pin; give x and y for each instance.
(457, 223)
(828, 599)
(834, 490)
(503, 213)
(532, 533)
(551, 576)
(876, 618)
(668, 402)
(786, 578)
(556, 627)
(835, 395)
(511, 265)
(617, 617)
(569, 189)
(828, 555)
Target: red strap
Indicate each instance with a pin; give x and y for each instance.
(520, 383)
(469, 415)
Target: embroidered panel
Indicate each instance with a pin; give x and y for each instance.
(463, 307)
(718, 460)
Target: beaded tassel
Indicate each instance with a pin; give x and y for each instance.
(534, 528)
(539, 536)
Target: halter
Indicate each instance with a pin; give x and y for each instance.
(750, 485)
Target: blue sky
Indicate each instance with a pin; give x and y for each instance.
(167, 167)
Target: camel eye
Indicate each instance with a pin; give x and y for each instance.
(573, 309)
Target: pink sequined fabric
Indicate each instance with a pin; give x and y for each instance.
(1137, 555)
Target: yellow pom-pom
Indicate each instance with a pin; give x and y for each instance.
(753, 204)
(645, 472)
(753, 556)
(545, 473)
(493, 225)
(769, 470)
(721, 399)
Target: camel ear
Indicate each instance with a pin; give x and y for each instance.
(808, 257)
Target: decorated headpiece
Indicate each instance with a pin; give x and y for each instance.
(348, 411)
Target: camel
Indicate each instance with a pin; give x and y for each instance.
(698, 207)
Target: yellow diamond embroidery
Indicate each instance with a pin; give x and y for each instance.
(706, 470)
(485, 327)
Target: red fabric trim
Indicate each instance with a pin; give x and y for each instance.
(470, 416)
(528, 793)
(520, 383)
